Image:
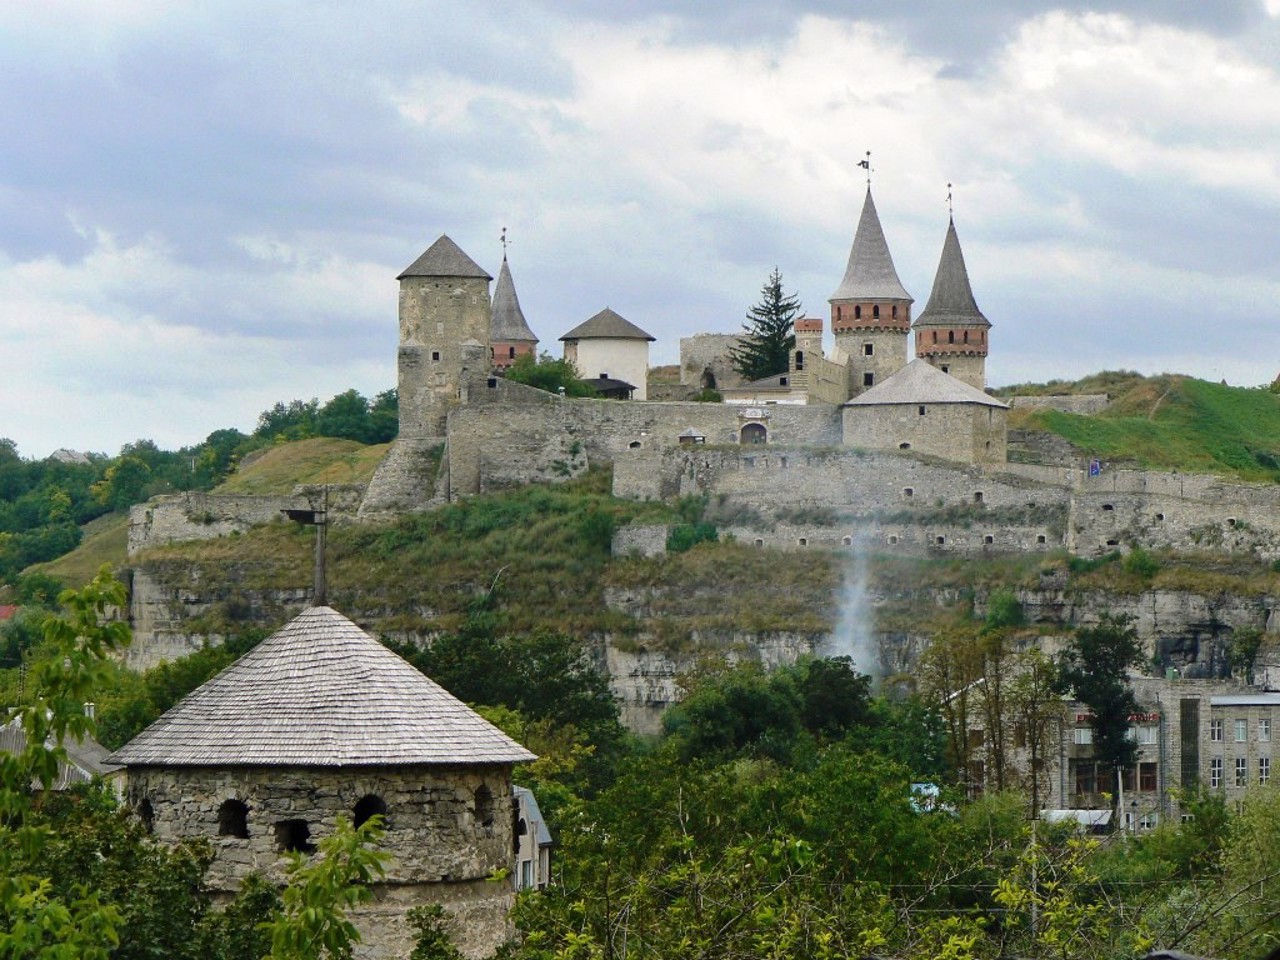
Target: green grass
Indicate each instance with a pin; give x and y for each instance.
(1178, 423)
(105, 541)
(277, 470)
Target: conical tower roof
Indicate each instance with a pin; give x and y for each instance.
(320, 692)
(951, 303)
(606, 325)
(444, 258)
(508, 319)
(870, 274)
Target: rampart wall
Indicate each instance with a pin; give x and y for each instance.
(708, 351)
(1084, 404)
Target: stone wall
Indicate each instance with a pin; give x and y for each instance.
(963, 432)
(205, 516)
(709, 352)
(445, 837)
(640, 540)
(1188, 512)
(1084, 404)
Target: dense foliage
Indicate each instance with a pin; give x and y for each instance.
(768, 333)
(550, 374)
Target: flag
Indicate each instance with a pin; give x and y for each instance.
(865, 164)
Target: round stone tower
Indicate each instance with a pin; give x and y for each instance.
(951, 333)
(444, 304)
(871, 310)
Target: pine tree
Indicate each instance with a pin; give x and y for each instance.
(766, 347)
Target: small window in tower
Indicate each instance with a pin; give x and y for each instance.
(951, 336)
(920, 411)
(435, 355)
(875, 311)
(511, 352)
(782, 381)
(233, 819)
(799, 359)
(935, 336)
(847, 541)
(977, 496)
(908, 492)
(904, 446)
(868, 379)
(1160, 516)
(945, 368)
(893, 538)
(857, 312)
(939, 540)
(493, 383)
(803, 541)
(370, 805)
(868, 349)
(147, 815)
(1041, 538)
(988, 539)
(839, 314)
(759, 542)
(1113, 543)
(895, 311)
(1108, 507)
(294, 836)
(483, 809)
(966, 336)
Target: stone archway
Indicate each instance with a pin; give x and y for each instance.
(754, 433)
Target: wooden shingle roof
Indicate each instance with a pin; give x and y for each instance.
(919, 382)
(320, 692)
(444, 258)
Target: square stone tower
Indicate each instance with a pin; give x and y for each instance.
(445, 319)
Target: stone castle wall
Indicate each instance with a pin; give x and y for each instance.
(1084, 404)
(444, 841)
(709, 351)
(963, 432)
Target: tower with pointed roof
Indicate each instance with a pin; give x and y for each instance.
(870, 310)
(445, 319)
(510, 336)
(608, 346)
(952, 333)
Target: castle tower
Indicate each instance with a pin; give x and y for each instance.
(444, 314)
(951, 333)
(510, 334)
(871, 310)
(807, 350)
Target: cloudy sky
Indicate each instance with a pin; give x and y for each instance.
(203, 207)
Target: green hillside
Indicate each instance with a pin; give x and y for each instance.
(1169, 422)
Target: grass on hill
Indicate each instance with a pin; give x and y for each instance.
(1173, 422)
(278, 469)
(105, 541)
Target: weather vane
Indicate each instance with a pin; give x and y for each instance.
(505, 241)
(951, 210)
(866, 165)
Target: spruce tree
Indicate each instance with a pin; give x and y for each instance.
(765, 349)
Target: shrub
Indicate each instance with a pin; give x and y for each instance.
(683, 536)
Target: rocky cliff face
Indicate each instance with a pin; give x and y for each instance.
(177, 609)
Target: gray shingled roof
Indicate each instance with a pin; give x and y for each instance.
(508, 323)
(951, 303)
(86, 758)
(444, 258)
(606, 325)
(919, 382)
(320, 692)
(870, 274)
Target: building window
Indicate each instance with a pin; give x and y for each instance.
(1242, 771)
(1215, 731)
(940, 540)
(935, 336)
(966, 336)
(233, 819)
(147, 815)
(1086, 778)
(367, 807)
(1242, 731)
(895, 311)
(868, 349)
(893, 538)
(1264, 730)
(759, 542)
(802, 541)
(1146, 735)
(1041, 538)
(951, 336)
(908, 492)
(988, 539)
(847, 541)
(868, 379)
(920, 411)
(484, 809)
(294, 836)
(1264, 771)
(857, 312)
(875, 312)
(435, 355)
(977, 496)
(1215, 772)
(1147, 777)
(799, 359)
(946, 368)
(1082, 736)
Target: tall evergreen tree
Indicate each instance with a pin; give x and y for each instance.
(765, 349)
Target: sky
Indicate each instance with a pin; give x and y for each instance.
(204, 207)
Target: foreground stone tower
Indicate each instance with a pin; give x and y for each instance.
(320, 720)
(951, 333)
(444, 335)
(510, 333)
(871, 310)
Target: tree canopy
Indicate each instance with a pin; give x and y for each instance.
(765, 347)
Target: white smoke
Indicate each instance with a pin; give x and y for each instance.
(853, 635)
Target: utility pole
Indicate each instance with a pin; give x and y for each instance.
(320, 520)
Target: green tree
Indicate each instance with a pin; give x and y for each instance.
(1094, 668)
(547, 373)
(765, 349)
(322, 889)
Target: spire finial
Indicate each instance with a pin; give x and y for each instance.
(505, 241)
(866, 165)
(951, 210)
